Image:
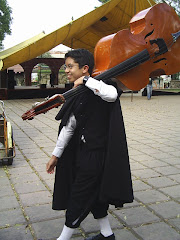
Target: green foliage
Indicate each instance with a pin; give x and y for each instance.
(5, 20)
(103, 1)
(176, 76)
(45, 55)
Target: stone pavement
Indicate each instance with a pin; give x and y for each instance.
(153, 134)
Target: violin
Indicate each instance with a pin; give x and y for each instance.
(150, 48)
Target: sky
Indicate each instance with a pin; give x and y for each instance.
(31, 17)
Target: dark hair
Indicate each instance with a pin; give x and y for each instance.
(82, 57)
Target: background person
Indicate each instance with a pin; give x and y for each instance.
(149, 89)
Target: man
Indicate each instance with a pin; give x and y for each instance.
(149, 89)
(91, 157)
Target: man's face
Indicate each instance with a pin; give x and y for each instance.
(72, 70)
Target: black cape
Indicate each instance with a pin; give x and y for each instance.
(116, 185)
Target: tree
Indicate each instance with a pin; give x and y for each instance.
(45, 55)
(103, 1)
(5, 20)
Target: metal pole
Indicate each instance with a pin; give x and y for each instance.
(134, 14)
(134, 7)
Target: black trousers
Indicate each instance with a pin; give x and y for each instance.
(85, 189)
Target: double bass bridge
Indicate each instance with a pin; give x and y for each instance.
(161, 45)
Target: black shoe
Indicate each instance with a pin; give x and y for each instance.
(101, 237)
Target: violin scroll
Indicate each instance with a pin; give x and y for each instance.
(42, 107)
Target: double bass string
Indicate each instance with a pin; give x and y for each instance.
(75, 91)
(169, 44)
(80, 89)
(143, 59)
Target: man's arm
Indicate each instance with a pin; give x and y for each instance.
(64, 136)
(62, 141)
(103, 90)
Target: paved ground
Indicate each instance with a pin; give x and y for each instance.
(153, 133)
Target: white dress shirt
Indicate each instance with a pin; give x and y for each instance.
(107, 92)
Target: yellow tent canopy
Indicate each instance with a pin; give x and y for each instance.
(84, 32)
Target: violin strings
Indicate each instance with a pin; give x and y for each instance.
(169, 44)
(73, 92)
(83, 89)
(70, 93)
(80, 89)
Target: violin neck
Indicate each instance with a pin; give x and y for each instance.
(74, 92)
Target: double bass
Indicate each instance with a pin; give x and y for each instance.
(150, 48)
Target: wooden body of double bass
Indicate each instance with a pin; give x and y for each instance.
(157, 22)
